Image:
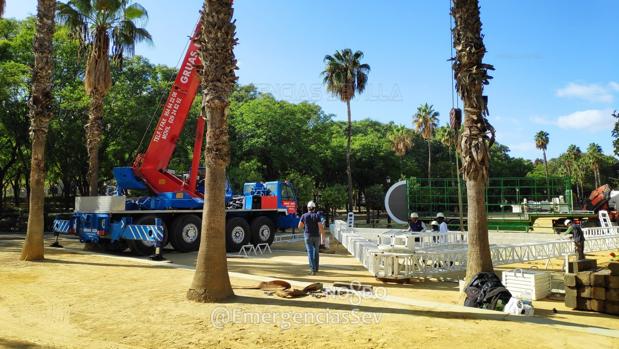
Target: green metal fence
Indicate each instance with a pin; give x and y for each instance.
(509, 197)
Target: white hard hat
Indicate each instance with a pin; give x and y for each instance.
(414, 215)
(311, 204)
(440, 214)
(567, 221)
(434, 223)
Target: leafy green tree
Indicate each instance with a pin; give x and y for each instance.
(345, 76)
(104, 28)
(303, 185)
(40, 115)
(401, 143)
(332, 198)
(425, 121)
(593, 158)
(16, 58)
(571, 166)
(374, 199)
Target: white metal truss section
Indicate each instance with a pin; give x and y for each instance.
(439, 258)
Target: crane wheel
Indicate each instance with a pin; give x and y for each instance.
(238, 234)
(262, 230)
(185, 233)
(146, 248)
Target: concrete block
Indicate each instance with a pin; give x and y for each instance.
(599, 278)
(598, 293)
(612, 294)
(571, 300)
(569, 280)
(613, 281)
(612, 308)
(583, 278)
(585, 292)
(582, 265)
(596, 305)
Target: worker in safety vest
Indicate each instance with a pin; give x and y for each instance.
(414, 224)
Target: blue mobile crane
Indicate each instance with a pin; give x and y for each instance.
(172, 210)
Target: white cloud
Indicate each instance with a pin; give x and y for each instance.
(589, 92)
(592, 120)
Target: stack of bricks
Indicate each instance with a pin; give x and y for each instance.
(590, 288)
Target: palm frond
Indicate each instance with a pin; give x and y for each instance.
(344, 74)
(135, 12)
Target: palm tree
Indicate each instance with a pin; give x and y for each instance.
(594, 157)
(345, 76)
(471, 74)
(104, 28)
(40, 115)
(425, 121)
(541, 143)
(401, 143)
(211, 282)
(572, 167)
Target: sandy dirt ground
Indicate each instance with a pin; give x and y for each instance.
(76, 300)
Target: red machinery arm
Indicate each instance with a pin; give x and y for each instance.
(151, 166)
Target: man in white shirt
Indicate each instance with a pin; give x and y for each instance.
(442, 227)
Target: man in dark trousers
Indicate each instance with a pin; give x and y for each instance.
(313, 230)
(578, 236)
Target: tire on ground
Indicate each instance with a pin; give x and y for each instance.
(238, 233)
(262, 230)
(185, 233)
(146, 248)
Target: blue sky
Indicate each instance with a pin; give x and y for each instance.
(556, 60)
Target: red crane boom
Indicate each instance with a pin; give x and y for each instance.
(152, 165)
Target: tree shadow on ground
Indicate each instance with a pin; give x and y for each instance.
(18, 344)
(145, 266)
(491, 316)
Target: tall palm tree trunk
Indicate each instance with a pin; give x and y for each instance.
(40, 115)
(348, 171)
(211, 282)
(401, 169)
(94, 130)
(471, 74)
